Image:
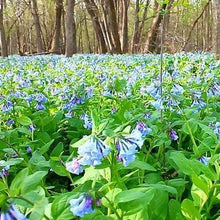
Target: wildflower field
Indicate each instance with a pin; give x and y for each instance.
(106, 137)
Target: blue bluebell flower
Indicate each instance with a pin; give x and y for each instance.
(5, 170)
(128, 144)
(30, 98)
(9, 122)
(204, 160)
(154, 90)
(126, 151)
(199, 103)
(29, 150)
(158, 104)
(7, 107)
(173, 135)
(32, 128)
(87, 121)
(12, 214)
(214, 90)
(74, 166)
(40, 106)
(40, 98)
(92, 152)
(81, 206)
(69, 114)
(177, 89)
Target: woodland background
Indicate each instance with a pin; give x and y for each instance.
(108, 26)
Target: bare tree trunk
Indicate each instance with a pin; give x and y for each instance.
(40, 48)
(70, 29)
(113, 24)
(151, 42)
(94, 13)
(216, 27)
(124, 37)
(87, 34)
(136, 28)
(139, 27)
(4, 49)
(57, 31)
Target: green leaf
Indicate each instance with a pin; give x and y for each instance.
(162, 187)
(32, 181)
(57, 151)
(193, 124)
(46, 147)
(185, 165)
(175, 210)
(17, 182)
(38, 209)
(3, 199)
(189, 210)
(24, 120)
(137, 205)
(13, 161)
(58, 168)
(38, 160)
(141, 165)
(129, 195)
(95, 119)
(2, 135)
(60, 208)
(109, 198)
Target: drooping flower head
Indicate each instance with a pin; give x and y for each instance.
(81, 206)
(128, 144)
(7, 107)
(92, 151)
(40, 98)
(74, 166)
(12, 214)
(173, 135)
(87, 121)
(204, 160)
(5, 170)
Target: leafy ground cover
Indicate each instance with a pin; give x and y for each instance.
(99, 137)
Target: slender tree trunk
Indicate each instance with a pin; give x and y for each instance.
(151, 42)
(57, 31)
(113, 25)
(124, 37)
(87, 34)
(139, 26)
(70, 29)
(40, 48)
(216, 27)
(136, 28)
(94, 13)
(4, 49)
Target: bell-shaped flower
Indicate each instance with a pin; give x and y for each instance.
(81, 206)
(92, 152)
(74, 166)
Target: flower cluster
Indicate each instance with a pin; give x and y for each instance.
(12, 214)
(128, 144)
(90, 153)
(82, 205)
(41, 99)
(7, 107)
